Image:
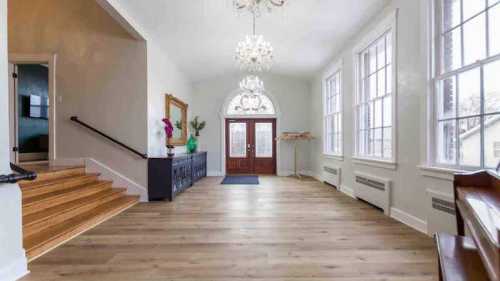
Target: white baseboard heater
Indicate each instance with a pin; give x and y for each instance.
(331, 175)
(374, 190)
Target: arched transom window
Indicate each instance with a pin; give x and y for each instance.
(251, 104)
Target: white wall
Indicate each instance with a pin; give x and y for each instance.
(292, 96)
(13, 262)
(163, 78)
(101, 77)
(409, 198)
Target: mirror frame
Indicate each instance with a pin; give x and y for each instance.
(171, 100)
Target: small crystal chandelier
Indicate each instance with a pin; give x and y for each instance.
(254, 6)
(254, 54)
(252, 84)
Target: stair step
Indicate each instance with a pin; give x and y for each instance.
(39, 221)
(48, 200)
(57, 184)
(55, 174)
(44, 241)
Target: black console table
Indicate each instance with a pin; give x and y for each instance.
(167, 177)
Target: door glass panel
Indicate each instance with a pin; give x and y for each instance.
(238, 140)
(263, 140)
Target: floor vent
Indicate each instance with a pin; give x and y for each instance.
(443, 206)
(373, 190)
(332, 176)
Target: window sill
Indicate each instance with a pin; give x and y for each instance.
(389, 165)
(439, 172)
(334, 157)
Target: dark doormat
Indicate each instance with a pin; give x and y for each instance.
(241, 180)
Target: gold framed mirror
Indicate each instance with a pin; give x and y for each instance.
(176, 111)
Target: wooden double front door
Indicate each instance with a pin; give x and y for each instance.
(251, 146)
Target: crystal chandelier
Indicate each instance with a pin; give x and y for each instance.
(254, 54)
(252, 84)
(254, 6)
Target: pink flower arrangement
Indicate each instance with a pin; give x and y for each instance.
(169, 129)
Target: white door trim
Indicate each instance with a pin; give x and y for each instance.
(50, 60)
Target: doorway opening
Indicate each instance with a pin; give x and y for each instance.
(31, 110)
(251, 146)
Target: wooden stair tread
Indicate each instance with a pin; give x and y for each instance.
(53, 174)
(58, 184)
(47, 182)
(51, 195)
(69, 206)
(459, 258)
(45, 240)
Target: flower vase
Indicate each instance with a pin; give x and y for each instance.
(192, 144)
(170, 151)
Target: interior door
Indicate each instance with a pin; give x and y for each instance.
(251, 146)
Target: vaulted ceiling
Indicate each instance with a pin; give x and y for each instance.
(201, 35)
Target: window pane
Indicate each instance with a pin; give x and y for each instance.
(373, 60)
(447, 98)
(492, 87)
(469, 85)
(378, 113)
(389, 79)
(494, 27)
(381, 82)
(238, 140)
(446, 144)
(377, 143)
(381, 53)
(492, 2)
(362, 142)
(371, 116)
(372, 92)
(245, 104)
(388, 43)
(473, 7)
(387, 148)
(492, 141)
(475, 39)
(452, 50)
(470, 142)
(387, 111)
(264, 140)
(451, 14)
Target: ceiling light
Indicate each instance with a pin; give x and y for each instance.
(252, 84)
(254, 6)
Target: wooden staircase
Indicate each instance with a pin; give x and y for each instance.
(62, 203)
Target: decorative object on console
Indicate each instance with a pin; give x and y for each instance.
(197, 126)
(169, 130)
(295, 137)
(192, 144)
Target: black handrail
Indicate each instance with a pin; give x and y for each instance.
(19, 175)
(76, 120)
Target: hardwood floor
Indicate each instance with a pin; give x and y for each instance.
(283, 229)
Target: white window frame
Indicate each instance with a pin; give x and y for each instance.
(389, 24)
(435, 74)
(334, 70)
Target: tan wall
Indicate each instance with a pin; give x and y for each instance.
(101, 77)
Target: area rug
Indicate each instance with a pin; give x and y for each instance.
(241, 180)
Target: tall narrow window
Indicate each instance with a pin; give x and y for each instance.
(374, 99)
(467, 88)
(333, 115)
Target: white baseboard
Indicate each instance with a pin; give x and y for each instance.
(215, 174)
(409, 220)
(16, 269)
(348, 191)
(133, 188)
(68, 162)
(287, 173)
